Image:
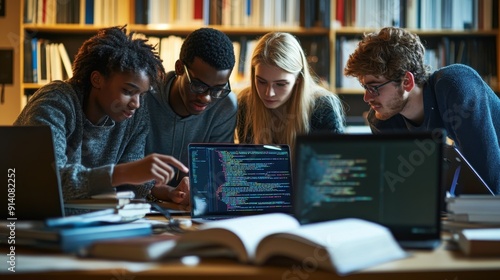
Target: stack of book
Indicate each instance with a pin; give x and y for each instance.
(70, 234)
(101, 201)
(483, 209)
(123, 202)
(474, 222)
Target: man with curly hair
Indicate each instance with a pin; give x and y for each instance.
(405, 95)
(193, 104)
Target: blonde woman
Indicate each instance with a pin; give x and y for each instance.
(284, 99)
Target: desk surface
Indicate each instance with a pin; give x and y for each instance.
(441, 263)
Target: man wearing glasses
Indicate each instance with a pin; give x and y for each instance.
(195, 104)
(404, 95)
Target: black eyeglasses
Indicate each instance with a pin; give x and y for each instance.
(199, 87)
(373, 90)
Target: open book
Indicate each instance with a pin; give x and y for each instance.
(343, 245)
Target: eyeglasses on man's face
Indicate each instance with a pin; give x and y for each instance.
(373, 90)
(199, 87)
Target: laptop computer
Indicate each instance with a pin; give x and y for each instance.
(233, 180)
(460, 178)
(32, 189)
(391, 179)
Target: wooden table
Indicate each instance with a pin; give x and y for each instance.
(441, 263)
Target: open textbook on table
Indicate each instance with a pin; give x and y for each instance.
(343, 246)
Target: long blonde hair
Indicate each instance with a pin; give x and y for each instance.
(281, 125)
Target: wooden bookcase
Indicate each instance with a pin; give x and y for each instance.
(327, 35)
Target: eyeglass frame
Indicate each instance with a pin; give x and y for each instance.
(373, 90)
(225, 90)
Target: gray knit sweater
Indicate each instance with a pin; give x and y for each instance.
(85, 153)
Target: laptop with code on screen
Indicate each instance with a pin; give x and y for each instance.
(32, 189)
(232, 180)
(391, 179)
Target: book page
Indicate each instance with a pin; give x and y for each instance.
(250, 230)
(349, 244)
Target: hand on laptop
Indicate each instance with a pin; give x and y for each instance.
(179, 194)
(156, 167)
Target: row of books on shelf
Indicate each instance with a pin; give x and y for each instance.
(97, 12)
(169, 48)
(440, 51)
(45, 61)
(415, 14)
(257, 13)
(226, 13)
(474, 222)
(419, 14)
(465, 50)
(290, 13)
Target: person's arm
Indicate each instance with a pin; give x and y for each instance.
(470, 112)
(221, 131)
(179, 194)
(57, 106)
(134, 168)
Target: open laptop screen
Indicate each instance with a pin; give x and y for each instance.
(392, 179)
(239, 179)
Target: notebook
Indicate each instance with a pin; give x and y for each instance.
(232, 180)
(391, 179)
(31, 189)
(459, 176)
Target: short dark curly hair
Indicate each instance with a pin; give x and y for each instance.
(211, 45)
(112, 50)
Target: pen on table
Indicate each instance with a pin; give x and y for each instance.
(173, 224)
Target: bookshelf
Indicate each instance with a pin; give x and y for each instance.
(322, 26)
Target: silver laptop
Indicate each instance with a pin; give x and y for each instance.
(391, 179)
(31, 189)
(233, 180)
